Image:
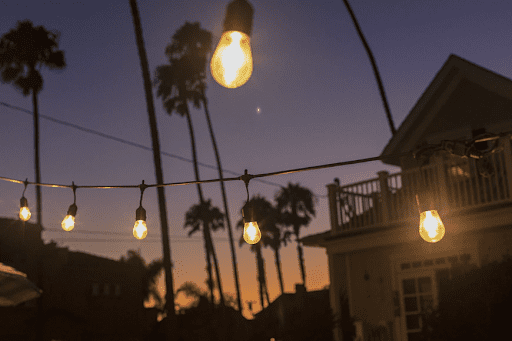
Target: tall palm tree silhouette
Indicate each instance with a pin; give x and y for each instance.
(194, 43)
(177, 85)
(211, 219)
(23, 52)
(263, 213)
(296, 208)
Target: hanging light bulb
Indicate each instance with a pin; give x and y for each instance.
(69, 221)
(431, 227)
(252, 233)
(140, 229)
(231, 63)
(24, 210)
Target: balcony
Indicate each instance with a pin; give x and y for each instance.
(454, 186)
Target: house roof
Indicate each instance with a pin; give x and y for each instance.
(462, 95)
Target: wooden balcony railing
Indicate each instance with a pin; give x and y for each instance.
(449, 184)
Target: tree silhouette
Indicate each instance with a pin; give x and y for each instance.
(209, 217)
(23, 52)
(151, 273)
(275, 239)
(263, 213)
(194, 43)
(296, 209)
(177, 85)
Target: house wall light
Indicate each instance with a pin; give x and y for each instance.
(231, 64)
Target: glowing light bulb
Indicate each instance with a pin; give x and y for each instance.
(252, 233)
(25, 213)
(68, 223)
(431, 227)
(24, 210)
(140, 230)
(231, 64)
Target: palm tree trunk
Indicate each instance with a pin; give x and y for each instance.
(277, 258)
(206, 231)
(209, 271)
(37, 162)
(225, 201)
(169, 296)
(301, 263)
(216, 266)
(260, 277)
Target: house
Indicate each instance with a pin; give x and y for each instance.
(303, 315)
(376, 257)
(85, 297)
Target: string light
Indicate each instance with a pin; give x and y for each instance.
(140, 229)
(69, 221)
(24, 210)
(431, 227)
(252, 233)
(460, 148)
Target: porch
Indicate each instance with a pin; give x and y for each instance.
(450, 184)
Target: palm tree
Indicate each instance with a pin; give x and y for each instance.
(193, 43)
(177, 86)
(263, 213)
(164, 226)
(23, 52)
(211, 219)
(151, 273)
(296, 208)
(275, 240)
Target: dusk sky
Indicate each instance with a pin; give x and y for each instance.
(312, 99)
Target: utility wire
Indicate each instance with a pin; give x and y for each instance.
(127, 142)
(247, 177)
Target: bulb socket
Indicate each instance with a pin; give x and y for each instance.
(239, 14)
(140, 214)
(23, 202)
(72, 210)
(248, 213)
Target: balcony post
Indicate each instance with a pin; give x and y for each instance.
(332, 190)
(507, 156)
(442, 201)
(385, 198)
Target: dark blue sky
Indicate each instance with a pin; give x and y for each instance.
(312, 81)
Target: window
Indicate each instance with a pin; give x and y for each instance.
(106, 289)
(417, 299)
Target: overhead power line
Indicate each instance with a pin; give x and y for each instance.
(130, 143)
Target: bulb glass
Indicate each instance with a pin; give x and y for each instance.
(431, 227)
(25, 213)
(68, 223)
(252, 233)
(140, 230)
(231, 64)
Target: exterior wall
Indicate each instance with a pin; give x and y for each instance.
(373, 277)
(371, 290)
